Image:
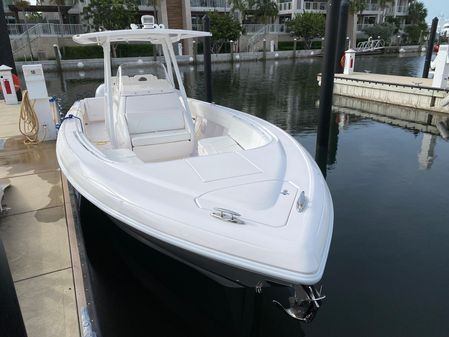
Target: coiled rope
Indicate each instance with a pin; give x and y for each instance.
(28, 121)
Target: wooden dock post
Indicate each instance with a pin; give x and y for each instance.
(327, 84)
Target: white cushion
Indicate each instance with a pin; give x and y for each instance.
(216, 145)
(151, 113)
(153, 138)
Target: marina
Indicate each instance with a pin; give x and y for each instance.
(172, 195)
(366, 159)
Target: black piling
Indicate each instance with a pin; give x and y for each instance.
(11, 321)
(327, 84)
(6, 56)
(207, 60)
(341, 40)
(429, 51)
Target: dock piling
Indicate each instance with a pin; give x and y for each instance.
(207, 60)
(429, 51)
(341, 40)
(327, 84)
(11, 321)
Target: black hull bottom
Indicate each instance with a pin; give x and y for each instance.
(140, 291)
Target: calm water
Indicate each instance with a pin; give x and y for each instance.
(388, 268)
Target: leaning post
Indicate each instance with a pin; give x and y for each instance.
(341, 40)
(429, 51)
(327, 84)
(207, 60)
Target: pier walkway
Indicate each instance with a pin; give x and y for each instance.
(38, 237)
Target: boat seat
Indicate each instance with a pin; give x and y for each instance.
(215, 145)
(159, 126)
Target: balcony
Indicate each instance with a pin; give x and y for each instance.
(285, 7)
(372, 8)
(209, 5)
(399, 10)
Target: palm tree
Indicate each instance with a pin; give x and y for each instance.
(242, 6)
(383, 6)
(22, 5)
(266, 10)
(59, 4)
(356, 8)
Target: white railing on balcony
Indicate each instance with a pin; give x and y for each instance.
(315, 6)
(251, 29)
(398, 10)
(372, 7)
(285, 6)
(45, 29)
(42, 29)
(207, 4)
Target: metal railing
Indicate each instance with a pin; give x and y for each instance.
(45, 29)
(251, 29)
(370, 45)
(285, 6)
(401, 10)
(256, 38)
(372, 7)
(209, 4)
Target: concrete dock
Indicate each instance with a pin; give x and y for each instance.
(412, 92)
(39, 238)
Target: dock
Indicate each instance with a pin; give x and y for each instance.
(38, 233)
(405, 91)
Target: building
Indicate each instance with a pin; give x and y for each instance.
(187, 14)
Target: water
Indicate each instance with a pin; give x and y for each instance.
(388, 267)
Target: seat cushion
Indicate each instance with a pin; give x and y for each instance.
(151, 113)
(153, 138)
(216, 145)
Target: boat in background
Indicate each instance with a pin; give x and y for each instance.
(227, 193)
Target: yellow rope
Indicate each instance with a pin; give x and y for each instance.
(28, 122)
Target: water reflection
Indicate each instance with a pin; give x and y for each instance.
(387, 271)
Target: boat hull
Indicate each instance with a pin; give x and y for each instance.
(222, 273)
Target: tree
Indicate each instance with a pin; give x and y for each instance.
(357, 6)
(243, 6)
(416, 18)
(383, 6)
(417, 13)
(266, 10)
(22, 5)
(224, 28)
(111, 14)
(59, 4)
(307, 26)
(382, 30)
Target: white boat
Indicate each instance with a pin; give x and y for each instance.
(222, 190)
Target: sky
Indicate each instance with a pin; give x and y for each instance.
(437, 8)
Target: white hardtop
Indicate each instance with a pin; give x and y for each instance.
(154, 36)
(152, 33)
